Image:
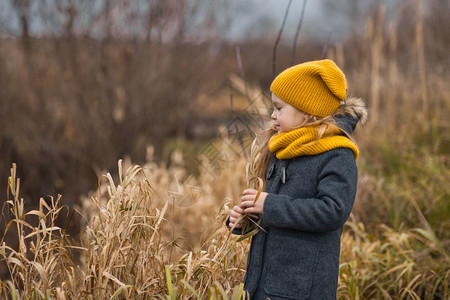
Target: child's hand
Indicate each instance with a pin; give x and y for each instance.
(248, 201)
(235, 214)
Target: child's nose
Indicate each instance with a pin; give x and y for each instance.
(273, 115)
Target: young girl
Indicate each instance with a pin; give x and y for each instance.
(308, 163)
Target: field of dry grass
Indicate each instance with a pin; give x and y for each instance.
(140, 241)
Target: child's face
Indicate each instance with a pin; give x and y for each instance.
(286, 116)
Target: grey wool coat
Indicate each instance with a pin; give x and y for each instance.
(297, 257)
(309, 199)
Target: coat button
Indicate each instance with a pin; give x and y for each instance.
(270, 171)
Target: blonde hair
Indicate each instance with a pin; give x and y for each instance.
(260, 155)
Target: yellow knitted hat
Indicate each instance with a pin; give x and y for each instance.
(315, 87)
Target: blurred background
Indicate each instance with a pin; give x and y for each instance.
(84, 83)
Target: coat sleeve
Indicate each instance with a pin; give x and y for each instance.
(332, 205)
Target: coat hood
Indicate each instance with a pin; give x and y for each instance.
(350, 113)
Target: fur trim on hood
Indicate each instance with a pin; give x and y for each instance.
(350, 113)
(355, 108)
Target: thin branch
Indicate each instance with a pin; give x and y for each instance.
(274, 57)
(230, 85)
(297, 33)
(241, 70)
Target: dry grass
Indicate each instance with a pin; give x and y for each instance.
(404, 264)
(130, 250)
(126, 250)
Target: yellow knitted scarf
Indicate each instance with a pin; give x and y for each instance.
(303, 141)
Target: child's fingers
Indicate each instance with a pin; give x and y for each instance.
(251, 207)
(233, 225)
(246, 198)
(251, 210)
(246, 204)
(236, 220)
(238, 209)
(249, 192)
(234, 214)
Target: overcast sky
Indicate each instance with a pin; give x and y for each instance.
(255, 18)
(266, 19)
(320, 21)
(269, 16)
